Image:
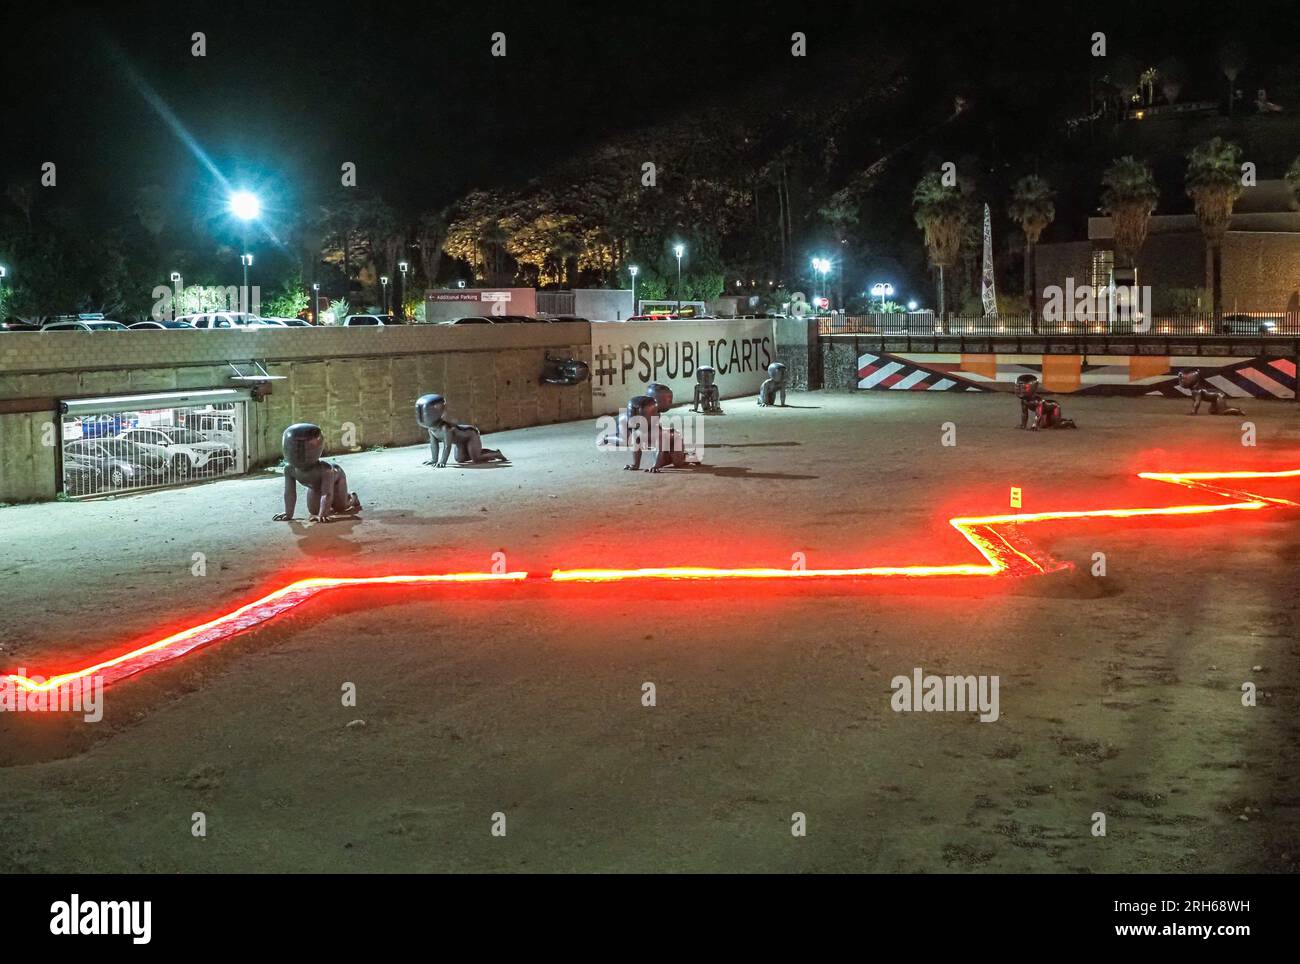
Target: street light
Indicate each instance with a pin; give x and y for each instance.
(245, 206)
(247, 261)
(679, 250)
(911, 306)
(633, 270)
(402, 268)
(882, 289)
(315, 303)
(383, 280)
(822, 266)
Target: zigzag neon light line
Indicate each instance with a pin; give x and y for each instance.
(1005, 554)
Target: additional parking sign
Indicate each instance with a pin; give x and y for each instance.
(1015, 497)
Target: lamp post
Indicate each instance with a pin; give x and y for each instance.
(679, 250)
(383, 281)
(3, 272)
(245, 206)
(315, 303)
(633, 270)
(821, 266)
(247, 261)
(178, 293)
(402, 268)
(882, 290)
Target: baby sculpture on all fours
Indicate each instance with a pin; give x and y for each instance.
(1203, 391)
(326, 482)
(773, 386)
(708, 398)
(1037, 411)
(448, 437)
(639, 429)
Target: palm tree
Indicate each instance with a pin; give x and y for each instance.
(1172, 78)
(1147, 81)
(941, 213)
(493, 240)
(429, 233)
(1031, 205)
(1214, 184)
(1129, 195)
(1292, 176)
(565, 249)
(1232, 60)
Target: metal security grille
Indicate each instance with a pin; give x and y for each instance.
(127, 443)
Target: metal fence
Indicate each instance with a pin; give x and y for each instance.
(108, 452)
(925, 323)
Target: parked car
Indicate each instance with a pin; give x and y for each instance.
(293, 322)
(355, 320)
(215, 426)
(81, 476)
(119, 463)
(228, 319)
(159, 325)
(108, 425)
(184, 450)
(84, 326)
(471, 320)
(17, 324)
(1242, 324)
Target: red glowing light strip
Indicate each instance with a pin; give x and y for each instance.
(245, 617)
(1003, 555)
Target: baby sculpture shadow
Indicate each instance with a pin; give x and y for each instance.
(744, 472)
(408, 517)
(326, 541)
(753, 445)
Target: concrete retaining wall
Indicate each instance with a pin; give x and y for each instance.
(369, 377)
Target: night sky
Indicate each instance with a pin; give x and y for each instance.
(287, 92)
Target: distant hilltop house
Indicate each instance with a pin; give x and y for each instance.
(1261, 255)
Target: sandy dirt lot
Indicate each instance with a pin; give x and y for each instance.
(1119, 695)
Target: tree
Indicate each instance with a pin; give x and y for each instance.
(1172, 78)
(1147, 81)
(1126, 77)
(429, 234)
(1293, 181)
(1214, 184)
(1032, 208)
(941, 214)
(1129, 195)
(1232, 60)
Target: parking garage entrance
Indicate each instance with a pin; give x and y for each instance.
(124, 443)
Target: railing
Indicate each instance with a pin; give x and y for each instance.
(926, 324)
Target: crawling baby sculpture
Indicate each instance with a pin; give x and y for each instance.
(706, 391)
(1203, 392)
(327, 483)
(465, 440)
(639, 429)
(775, 383)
